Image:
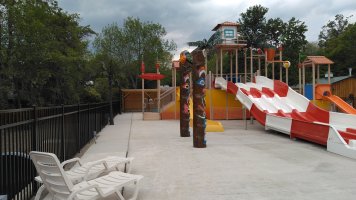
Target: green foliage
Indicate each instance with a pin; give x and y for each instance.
(294, 41)
(102, 87)
(310, 49)
(333, 29)
(41, 49)
(208, 46)
(128, 45)
(91, 95)
(337, 42)
(274, 31)
(253, 24)
(341, 50)
(44, 57)
(263, 33)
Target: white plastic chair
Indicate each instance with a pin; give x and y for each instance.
(59, 186)
(90, 170)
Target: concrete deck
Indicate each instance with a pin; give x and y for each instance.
(237, 164)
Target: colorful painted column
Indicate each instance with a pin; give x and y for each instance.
(185, 68)
(199, 116)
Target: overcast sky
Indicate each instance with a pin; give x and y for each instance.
(191, 20)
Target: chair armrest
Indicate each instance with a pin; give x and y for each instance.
(71, 161)
(95, 186)
(93, 164)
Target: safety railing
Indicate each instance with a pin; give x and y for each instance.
(63, 130)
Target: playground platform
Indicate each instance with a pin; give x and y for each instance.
(237, 164)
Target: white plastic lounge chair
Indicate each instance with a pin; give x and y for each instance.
(90, 170)
(61, 187)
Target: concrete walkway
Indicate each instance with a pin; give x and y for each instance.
(237, 164)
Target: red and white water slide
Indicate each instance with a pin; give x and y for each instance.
(278, 107)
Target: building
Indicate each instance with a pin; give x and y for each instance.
(343, 86)
(229, 41)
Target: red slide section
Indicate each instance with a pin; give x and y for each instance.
(309, 123)
(303, 123)
(345, 107)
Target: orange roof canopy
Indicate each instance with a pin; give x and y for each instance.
(317, 60)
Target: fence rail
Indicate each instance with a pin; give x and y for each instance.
(62, 130)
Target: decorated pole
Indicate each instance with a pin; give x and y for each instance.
(199, 117)
(185, 69)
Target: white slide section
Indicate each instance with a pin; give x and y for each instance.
(277, 113)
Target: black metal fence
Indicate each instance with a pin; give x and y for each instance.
(63, 130)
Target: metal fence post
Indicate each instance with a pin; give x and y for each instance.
(34, 129)
(78, 124)
(34, 137)
(95, 113)
(89, 122)
(62, 136)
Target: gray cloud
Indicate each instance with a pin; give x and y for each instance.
(191, 20)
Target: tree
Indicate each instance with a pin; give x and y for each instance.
(333, 29)
(293, 42)
(337, 42)
(253, 24)
(207, 45)
(341, 49)
(41, 49)
(133, 42)
(122, 48)
(274, 31)
(311, 49)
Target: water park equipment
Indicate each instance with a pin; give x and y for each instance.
(278, 107)
(270, 59)
(151, 76)
(229, 41)
(322, 91)
(211, 125)
(219, 105)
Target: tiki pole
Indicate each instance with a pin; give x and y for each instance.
(199, 117)
(185, 69)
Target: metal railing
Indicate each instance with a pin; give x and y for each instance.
(62, 130)
(167, 97)
(239, 79)
(235, 41)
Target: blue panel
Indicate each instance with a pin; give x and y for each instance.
(309, 91)
(229, 33)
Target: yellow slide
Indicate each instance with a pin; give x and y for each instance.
(211, 126)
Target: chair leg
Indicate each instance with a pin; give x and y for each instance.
(118, 193)
(134, 196)
(39, 192)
